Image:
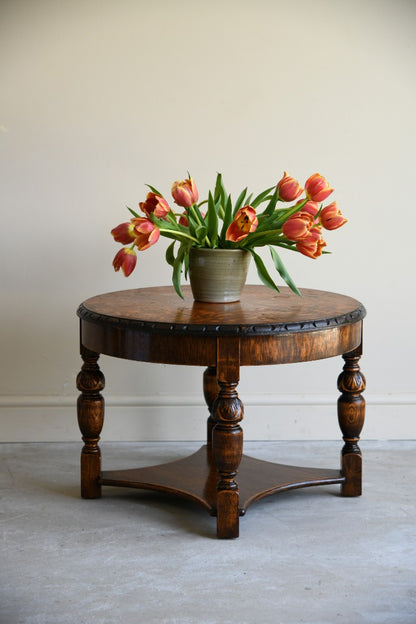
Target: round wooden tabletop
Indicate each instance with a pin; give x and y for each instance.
(155, 325)
(260, 310)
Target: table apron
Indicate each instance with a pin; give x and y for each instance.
(301, 346)
(201, 350)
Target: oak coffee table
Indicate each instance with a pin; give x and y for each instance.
(265, 327)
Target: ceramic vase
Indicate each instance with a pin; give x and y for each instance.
(218, 275)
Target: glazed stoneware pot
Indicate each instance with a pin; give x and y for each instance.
(218, 275)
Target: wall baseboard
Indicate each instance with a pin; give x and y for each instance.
(173, 418)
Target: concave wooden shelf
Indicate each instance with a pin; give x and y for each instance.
(196, 477)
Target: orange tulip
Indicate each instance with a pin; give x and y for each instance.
(312, 245)
(185, 193)
(317, 188)
(126, 260)
(289, 188)
(155, 204)
(147, 234)
(124, 233)
(298, 226)
(245, 221)
(331, 217)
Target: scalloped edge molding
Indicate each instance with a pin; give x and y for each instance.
(151, 417)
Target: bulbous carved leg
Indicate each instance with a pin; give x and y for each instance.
(210, 393)
(351, 414)
(90, 382)
(227, 438)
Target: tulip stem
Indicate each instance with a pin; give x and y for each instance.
(200, 220)
(256, 235)
(179, 235)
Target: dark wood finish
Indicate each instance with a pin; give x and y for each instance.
(154, 325)
(211, 390)
(196, 478)
(90, 407)
(227, 435)
(351, 412)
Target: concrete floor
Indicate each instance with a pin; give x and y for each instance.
(137, 557)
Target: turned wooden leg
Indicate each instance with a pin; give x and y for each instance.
(351, 413)
(210, 393)
(90, 382)
(227, 438)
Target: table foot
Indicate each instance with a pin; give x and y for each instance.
(228, 524)
(351, 468)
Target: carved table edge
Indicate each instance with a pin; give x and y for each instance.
(220, 330)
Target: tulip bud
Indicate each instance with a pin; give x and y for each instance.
(185, 193)
(317, 188)
(331, 217)
(155, 204)
(289, 188)
(183, 220)
(126, 260)
(245, 221)
(124, 233)
(146, 232)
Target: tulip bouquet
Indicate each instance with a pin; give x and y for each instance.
(217, 222)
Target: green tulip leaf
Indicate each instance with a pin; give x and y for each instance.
(219, 190)
(201, 232)
(155, 191)
(262, 272)
(280, 267)
(133, 212)
(240, 200)
(260, 239)
(261, 197)
(270, 208)
(198, 214)
(283, 217)
(170, 254)
(211, 220)
(177, 270)
(228, 217)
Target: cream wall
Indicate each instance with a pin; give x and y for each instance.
(99, 97)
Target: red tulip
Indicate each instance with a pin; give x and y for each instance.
(124, 233)
(155, 204)
(317, 188)
(147, 234)
(245, 221)
(126, 260)
(185, 193)
(311, 207)
(312, 245)
(289, 188)
(331, 217)
(183, 219)
(298, 226)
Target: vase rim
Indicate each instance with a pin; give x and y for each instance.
(209, 249)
